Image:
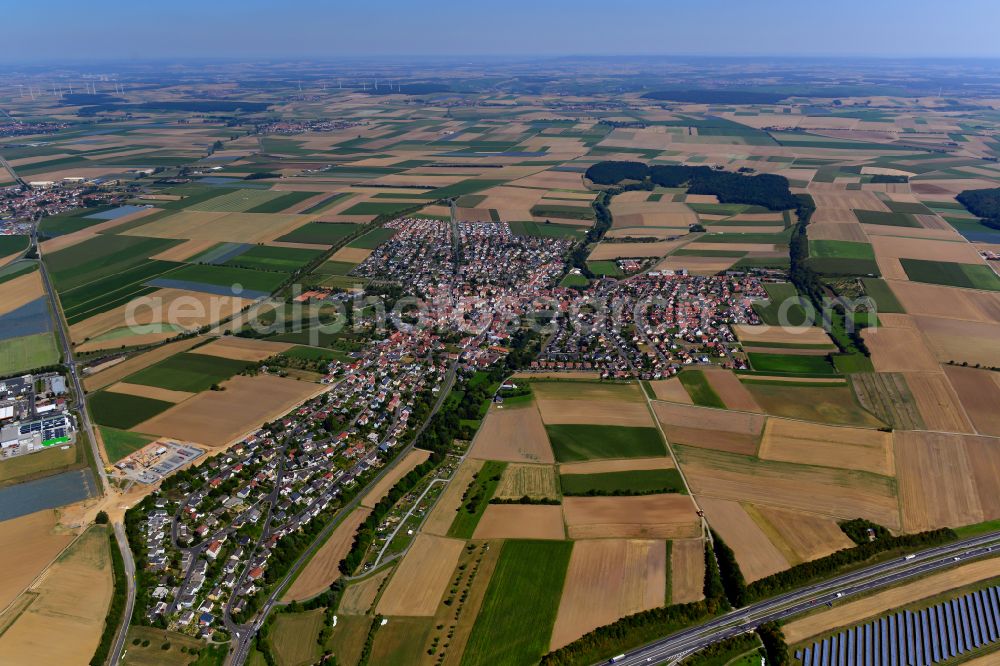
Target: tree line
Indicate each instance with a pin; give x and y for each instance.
(767, 190)
(983, 203)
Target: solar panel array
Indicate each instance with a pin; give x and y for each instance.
(49, 424)
(930, 636)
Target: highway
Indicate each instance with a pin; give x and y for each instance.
(862, 581)
(80, 403)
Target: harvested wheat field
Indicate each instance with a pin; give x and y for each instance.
(591, 403)
(185, 250)
(718, 429)
(421, 578)
(30, 543)
(222, 227)
(397, 472)
(154, 392)
(121, 370)
(924, 248)
(521, 521)
(641, 517)
(733, 393)
(608, 579)
(853, 612)
(827, 445)
(359, 597)
(243, 349)
(939, 405)
(351, 255)
(938, 301)
(802, 335)
(899, 349)
(623, 465)
(63, 623)
(608, 250)
(217, 418)
(687, 571)
(979, 394)
(21, 291)
(826, 491)
(670, 390)
(960, 341)
(697, 265)
(888, 396)
(801, 536)
(947, 480)
(512, 434)
(323, 569)
(531, 480)
(441, 516)
(756, 555)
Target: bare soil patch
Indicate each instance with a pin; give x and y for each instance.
(643, 517)
(606, 580)
(521, 521)
(31, 542)
(421, 578)
(623, 465)
(243, 349)
(828, 446)
(671, 390)
(979, 394)
(322, 568)
(939, 405)
(687, 571)
(808, 536)
(514, 435)
(153, 392)
(733, 393)
(738, 432)
(756, 555)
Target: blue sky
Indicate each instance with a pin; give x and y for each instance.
(61, 29)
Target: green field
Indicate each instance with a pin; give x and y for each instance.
(188, 371)
(802, 364)
(574, 280)
(16, 269)
(777, 294)
(334, 268)
(810, 402)
(27, 352)
(123, 411)
(293, 637)
(378, 208)
(608, 268)
(542, 230)
(476, 499)
(879, 291)
(120, 443)
(109, 292)
(373, 238)
(227, 276)
(886, 219)
(634, 482)
(970, 276)
(316, 354)
(236, 201)
(101, 257)
(571, 443)
(401, 641)
(520, 605)
(840, 249)
(320, 233)
(12, 244)
(563, 211)
(288, 259)
(696, 384)
(462, 187)
(280, 203)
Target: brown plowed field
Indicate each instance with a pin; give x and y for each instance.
(899, 349)
(854, 612)
(825, 491)
(827, 446)
(606, 580)
(808, 536)
(717, 429)
(531, 480)
(979, 393)
(443, 513)
(521, 521)
(322, 568)
(733, 393)
(937, 402)
(243, 349)
(670, 390)
(512, 434)
(153, 392)
(643, 517)
(216, 418)
(401, 469)
(626, 464)
(422, 577)
(944, 479)
(803, 335)
(756, 555)
(687, 571)
(594, 412)
(938, 301)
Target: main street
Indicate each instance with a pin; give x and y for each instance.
(862, 581)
